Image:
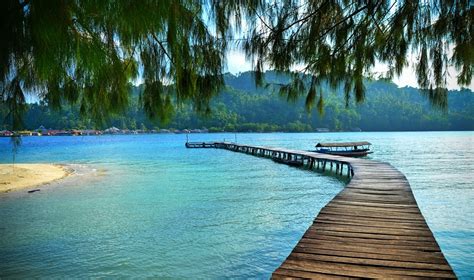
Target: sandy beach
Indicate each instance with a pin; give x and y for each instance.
(26, 176)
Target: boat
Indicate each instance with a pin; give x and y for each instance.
(347, 149)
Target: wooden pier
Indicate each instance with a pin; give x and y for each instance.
(372, 229)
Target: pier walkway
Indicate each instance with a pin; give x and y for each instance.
(372, 229)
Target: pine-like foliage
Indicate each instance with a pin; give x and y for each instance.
(88, 51)
(339, 42)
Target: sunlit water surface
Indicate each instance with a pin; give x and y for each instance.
(145, 206)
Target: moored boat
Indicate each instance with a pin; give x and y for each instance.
(347, 149)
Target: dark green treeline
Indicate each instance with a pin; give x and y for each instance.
(242, 106)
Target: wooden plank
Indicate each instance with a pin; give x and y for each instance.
(367, 223)
(372, 214)
(365, 198)
(282, 273)
(363, 271)
(376, 243)
(374, 204)
(402, 263)
(336, 249)
(312, 232)
(391, 220)
(386, 209)
(374, 230)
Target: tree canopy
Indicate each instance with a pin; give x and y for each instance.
(88, 52)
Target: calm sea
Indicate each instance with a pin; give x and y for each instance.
(145, 206)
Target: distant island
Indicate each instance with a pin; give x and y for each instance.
(243, 107)
(115, 131)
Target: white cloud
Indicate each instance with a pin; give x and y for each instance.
(408, 78)
(236, 63)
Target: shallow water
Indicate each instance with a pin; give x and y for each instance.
(145, 206)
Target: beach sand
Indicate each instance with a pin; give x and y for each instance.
(29, 176)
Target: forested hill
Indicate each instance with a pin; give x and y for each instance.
(244, 107)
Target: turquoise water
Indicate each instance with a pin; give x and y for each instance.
(145, 206)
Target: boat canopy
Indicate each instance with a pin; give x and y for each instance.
(342, 144)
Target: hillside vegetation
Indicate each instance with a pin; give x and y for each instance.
(244, 107)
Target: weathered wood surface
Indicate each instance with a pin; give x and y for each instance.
(372, 229)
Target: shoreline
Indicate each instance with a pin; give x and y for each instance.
(26, 176)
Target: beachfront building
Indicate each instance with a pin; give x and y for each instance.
(75, 132)
(6, 133)
(112, 130)
(91, 132)
(24, 133)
